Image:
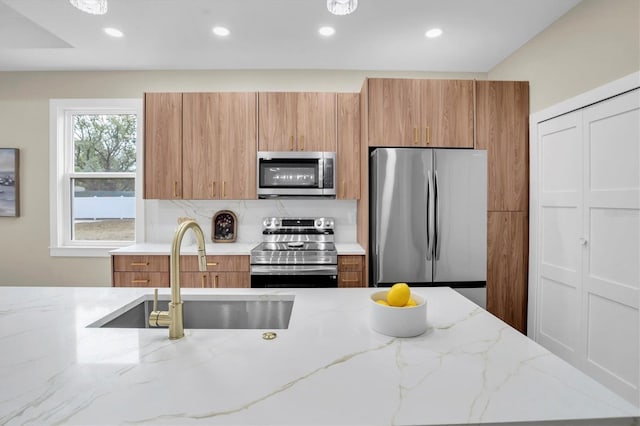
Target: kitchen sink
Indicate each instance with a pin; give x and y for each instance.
(209, 312)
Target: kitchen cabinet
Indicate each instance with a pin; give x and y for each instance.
(502, 117)
(507, 255)
(163, 146)
(348, 155)
(502, 128)
(297, 121)
(140, 271)
(420, 113)
(350, 271)
(200, 145)
(222, 272)
(219, 146)
(153, 271)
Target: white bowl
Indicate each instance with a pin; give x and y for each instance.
(398, 321)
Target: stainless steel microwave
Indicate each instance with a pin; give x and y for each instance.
(296, 174)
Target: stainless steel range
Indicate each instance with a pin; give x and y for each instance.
(295, 252)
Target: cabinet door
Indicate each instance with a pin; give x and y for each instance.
(277, 121)
(231, 279)
(507, 255)
(394, 112)
(447, 113)
(237, 145)
(200, 148)
(195, 280)
(316, 121)
(163, 145)
(348, 171)
(502, 128)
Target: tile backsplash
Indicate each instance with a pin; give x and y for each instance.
(161, 216)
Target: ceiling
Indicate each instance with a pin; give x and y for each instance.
(270, 34)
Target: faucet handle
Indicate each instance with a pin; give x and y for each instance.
(155, 299)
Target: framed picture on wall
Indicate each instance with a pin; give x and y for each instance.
(9, 182)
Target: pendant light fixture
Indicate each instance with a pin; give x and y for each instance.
(342, 7)
(94, 7)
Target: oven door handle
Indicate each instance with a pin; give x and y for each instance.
(294, 270)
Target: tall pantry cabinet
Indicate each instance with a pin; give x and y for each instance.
(502, 128)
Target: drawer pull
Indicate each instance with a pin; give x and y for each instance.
(204, 280)
(350, 263)
(212, 263)
(215, 281)
(139, 263)
(139, 281)
(350, 281)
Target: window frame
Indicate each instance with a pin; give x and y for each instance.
(61, 174)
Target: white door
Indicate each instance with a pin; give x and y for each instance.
(560, 228)
(611, 245)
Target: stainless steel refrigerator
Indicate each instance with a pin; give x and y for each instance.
(429, 218)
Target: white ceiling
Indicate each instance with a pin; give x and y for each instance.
(270, 34)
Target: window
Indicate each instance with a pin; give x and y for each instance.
(96, 184)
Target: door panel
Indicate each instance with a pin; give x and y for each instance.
(461, 215)
(401, 216)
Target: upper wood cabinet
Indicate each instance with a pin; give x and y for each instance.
(163, 145)
(348, 156)
(420, 113)
(200, 145)
(290, 121)
(502, 128)
(219, 145)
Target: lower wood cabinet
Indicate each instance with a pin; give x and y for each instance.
(350, 271)
(153, 271)
(507, 254)
(140, 271)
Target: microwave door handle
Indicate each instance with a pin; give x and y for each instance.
(321, 173)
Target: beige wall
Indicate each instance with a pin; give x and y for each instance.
(596, 42)
(24, 124)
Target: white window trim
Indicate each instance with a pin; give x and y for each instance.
(59, 202)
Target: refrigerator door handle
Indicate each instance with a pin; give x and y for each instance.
(436, 235)
(430, 215)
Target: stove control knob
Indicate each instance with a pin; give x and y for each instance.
(329, 223)
(319, 223)
(267, 222)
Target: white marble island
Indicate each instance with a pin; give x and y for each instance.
(327, 368)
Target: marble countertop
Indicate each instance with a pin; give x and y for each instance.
(218, 249)
(327, 368)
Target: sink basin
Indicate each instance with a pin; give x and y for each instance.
(209, 312)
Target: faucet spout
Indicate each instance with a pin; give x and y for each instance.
(174, 317)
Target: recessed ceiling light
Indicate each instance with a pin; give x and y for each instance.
(221, 31)
(113, 32)
(434, 32)
(326, 31)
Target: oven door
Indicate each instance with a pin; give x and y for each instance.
(288, 276)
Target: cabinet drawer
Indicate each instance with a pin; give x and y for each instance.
(350, 263)
(350, 279)
(216, 263)
(141, 279)
(141, 263)
(215, 279)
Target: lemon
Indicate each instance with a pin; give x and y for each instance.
(382, 302)
(398, 295)
(411, 302)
